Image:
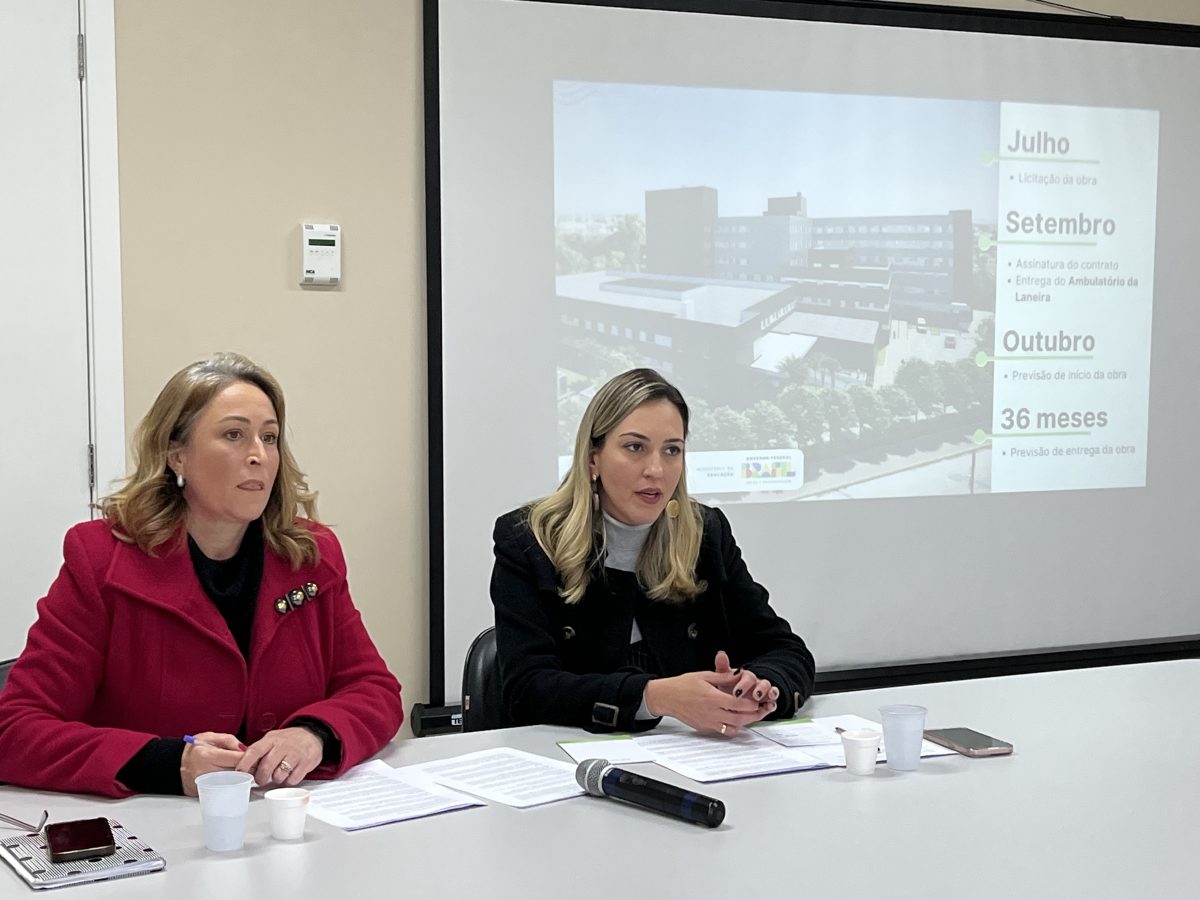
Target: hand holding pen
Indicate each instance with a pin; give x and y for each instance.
(196, 739)
(209, 751)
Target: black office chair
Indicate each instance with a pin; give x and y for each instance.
(4, 667)
(482, 702)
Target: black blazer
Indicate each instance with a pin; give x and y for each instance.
(565, 664)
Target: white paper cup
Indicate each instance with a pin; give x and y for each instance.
(224, 801)
(289, 809)
(903, 730)
(861, 747)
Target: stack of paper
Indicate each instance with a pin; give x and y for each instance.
(375, 794)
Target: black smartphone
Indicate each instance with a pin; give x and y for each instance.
(968, 742)
(80, 839)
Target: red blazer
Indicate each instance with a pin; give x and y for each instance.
(128, 647)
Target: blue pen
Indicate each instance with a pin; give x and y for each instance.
(201, 742)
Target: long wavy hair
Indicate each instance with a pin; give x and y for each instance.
(148, 507)
(571, 532)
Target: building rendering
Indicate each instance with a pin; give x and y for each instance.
(735, 296)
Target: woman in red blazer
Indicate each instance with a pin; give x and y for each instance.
(201, 604)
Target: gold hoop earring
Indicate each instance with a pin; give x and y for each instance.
(673, 508)
(595, 493)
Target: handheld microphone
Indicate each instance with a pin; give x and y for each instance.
(600, 779)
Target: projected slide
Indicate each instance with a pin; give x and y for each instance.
(1076, 286)
(862, 296)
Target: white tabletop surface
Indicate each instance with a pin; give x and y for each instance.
(1101, 799)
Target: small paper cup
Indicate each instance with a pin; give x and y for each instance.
(289, 810)
(861, 747)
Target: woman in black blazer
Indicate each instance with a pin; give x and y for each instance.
(619, 600)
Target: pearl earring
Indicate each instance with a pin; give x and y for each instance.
(179, 480)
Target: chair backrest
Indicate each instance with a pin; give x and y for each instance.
(482, 701)
(5, 665)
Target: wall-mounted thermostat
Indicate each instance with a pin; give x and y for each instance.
(320, 254)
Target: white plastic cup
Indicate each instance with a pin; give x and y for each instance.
(289, 809)
(903, 730)
(224, 802)
(861, 747)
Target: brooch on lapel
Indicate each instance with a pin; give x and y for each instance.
(296, 598)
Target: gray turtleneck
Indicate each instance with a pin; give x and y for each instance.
(623, 544)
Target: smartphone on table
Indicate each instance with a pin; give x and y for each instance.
(968, 742)
(81, 839)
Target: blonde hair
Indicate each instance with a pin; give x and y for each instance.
(571, 532)
(148, 507)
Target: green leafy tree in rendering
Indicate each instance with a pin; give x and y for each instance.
(897, 402)
(979, 379)
(802, 405)
(832, 365)
(955, 389)
(769, 427)
(839, 413)
(732, 429)
(623, 247)
(619, 249)
(702, 427)
(917, 378)
(570, 411)
(795, 370)
(869, 409)
(985, 334)
(568, 259)
(826, 366)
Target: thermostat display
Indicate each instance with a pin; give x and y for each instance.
(320, 254)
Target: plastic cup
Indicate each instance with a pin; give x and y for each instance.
(289, 809)
(903, 729)
(861, 747)
(224, 802)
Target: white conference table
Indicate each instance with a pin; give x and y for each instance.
(1101, 799)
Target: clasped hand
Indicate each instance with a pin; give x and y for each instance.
(723, 700)
(299, 748)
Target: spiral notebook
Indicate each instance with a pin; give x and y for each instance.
(26, 854)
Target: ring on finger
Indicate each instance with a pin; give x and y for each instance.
(723, 727)
(286, 766)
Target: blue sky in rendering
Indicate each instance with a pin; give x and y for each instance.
(850, 155)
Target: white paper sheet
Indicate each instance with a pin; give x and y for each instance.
(803, 732)
(504, 775)
(616, 749)
(705, 758)
(375, 794)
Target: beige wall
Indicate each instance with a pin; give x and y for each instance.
(236, 121)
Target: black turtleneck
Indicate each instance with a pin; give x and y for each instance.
(232, 584)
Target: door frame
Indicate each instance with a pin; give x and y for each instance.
(102, 229)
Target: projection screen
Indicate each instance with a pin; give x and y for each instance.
(924, 281)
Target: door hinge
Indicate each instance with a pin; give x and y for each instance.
(81, 43)
(91, 466)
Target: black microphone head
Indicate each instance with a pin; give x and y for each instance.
(588, 774)
(714, 813)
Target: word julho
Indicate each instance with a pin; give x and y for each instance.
(1041, 142)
